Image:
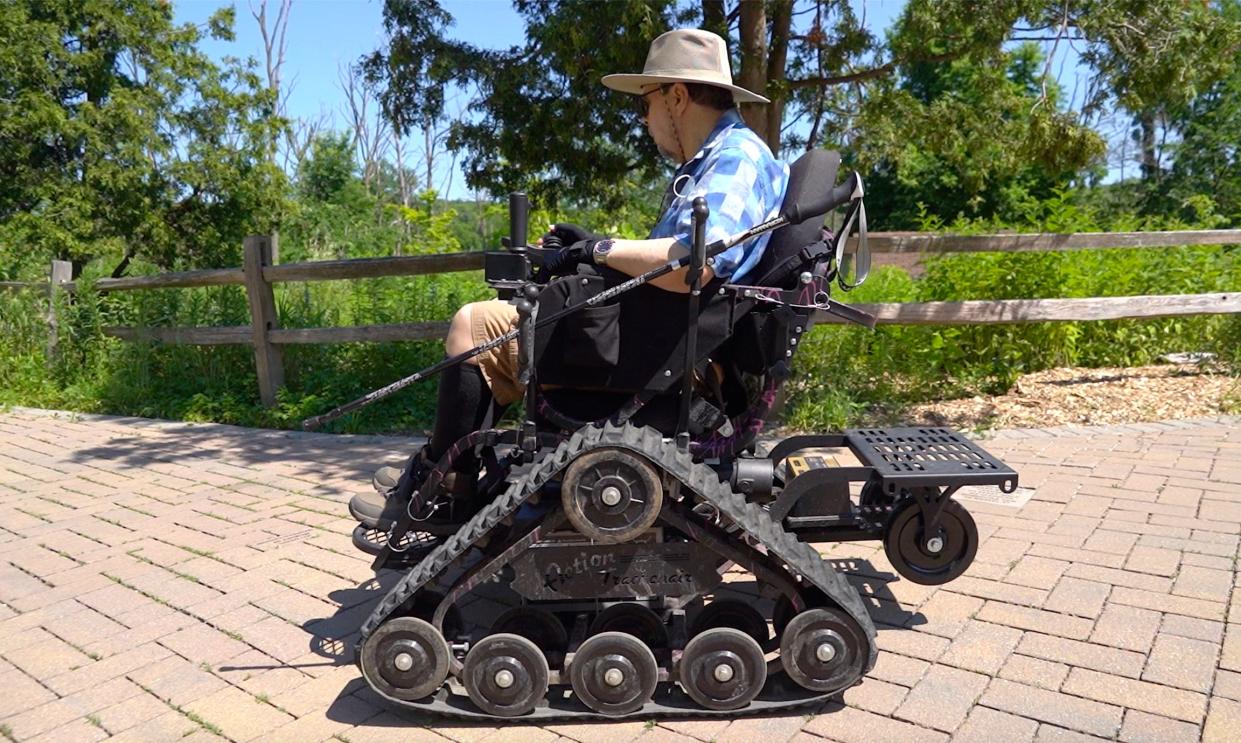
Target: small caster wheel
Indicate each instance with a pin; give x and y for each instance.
(632, 619)
(823, 650)
(614, 673)
(536, 625)
(406, 659)
(723, 668)
(505, 675)
(931, 559)
(731, 613)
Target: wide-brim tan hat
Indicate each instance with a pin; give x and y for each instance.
(684, 56)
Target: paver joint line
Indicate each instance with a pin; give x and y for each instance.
(205, 572)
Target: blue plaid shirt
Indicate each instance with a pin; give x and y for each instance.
(744, 186)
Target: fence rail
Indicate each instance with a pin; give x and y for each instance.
(921, 242)
(266, 336)
(1001, 311)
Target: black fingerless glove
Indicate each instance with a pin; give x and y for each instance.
(573, 244)
(566, 260)
(572, 233)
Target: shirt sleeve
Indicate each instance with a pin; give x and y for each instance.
(737, 199)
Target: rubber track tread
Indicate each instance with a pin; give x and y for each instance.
(700, 479)
(490, 516)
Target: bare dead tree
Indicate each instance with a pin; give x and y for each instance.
(403, 181)
(435, 131)
(372, 135)
(301, 135)
(297, 134)
(275, 41)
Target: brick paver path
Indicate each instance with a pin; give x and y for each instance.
(186, 582)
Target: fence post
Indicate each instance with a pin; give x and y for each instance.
(61, 273)
(268, 360)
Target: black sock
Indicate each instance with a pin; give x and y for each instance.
(463, 404)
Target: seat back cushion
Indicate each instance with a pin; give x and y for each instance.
(813, 172)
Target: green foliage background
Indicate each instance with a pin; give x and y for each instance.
(847, 374)
(129, 151)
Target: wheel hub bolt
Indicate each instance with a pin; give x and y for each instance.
(613, 677)
(934, 544)
(723, 673)
(825, 652)
(403, 662)
(611, 495)
(504, 678)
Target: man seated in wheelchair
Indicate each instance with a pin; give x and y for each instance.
(689, 106)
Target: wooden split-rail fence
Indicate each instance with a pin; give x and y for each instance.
(266, 336)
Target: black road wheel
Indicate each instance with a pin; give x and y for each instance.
(406, 658)
(931, 559)
(614, 673)
(722, 668)
(611, 495)
(731, 613)
(536, 625)
(823, 650)
(423, 605)
(632, 619)
(782, 614)
(505, 675)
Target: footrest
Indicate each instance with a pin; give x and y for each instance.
(372, 541)
(928, 456)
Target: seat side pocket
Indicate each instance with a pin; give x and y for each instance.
(592, 337)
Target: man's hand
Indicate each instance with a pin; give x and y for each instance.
(573, 245)
(566, 260)
(571, 233)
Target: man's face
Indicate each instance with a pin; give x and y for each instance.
(659, 123)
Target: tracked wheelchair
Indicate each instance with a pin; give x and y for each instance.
(608, 526)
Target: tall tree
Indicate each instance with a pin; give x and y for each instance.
(544, 123)
(1206, 159)
(118, 136)
(971, 137)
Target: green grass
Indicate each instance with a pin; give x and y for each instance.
(98, 374)
(842, 375)
(847, 375)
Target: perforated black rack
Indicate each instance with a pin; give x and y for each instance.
(928, 456)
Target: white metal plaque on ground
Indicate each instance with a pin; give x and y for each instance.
(992, 495)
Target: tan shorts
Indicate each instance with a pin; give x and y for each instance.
(488, 320)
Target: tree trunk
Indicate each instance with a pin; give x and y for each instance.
(428, 133)
(777, 56)
(1150, 160)
(714, 18)
(754, 62)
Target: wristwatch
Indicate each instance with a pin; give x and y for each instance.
(599, 253)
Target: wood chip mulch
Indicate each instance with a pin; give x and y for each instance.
(1085, 397)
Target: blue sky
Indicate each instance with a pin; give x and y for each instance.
(323, 35)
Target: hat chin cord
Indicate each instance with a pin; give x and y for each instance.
(675, 132)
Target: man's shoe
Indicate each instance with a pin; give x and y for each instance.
(372, 509)
(379, 510)
(385, 479)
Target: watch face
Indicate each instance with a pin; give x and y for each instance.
(602, 248)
